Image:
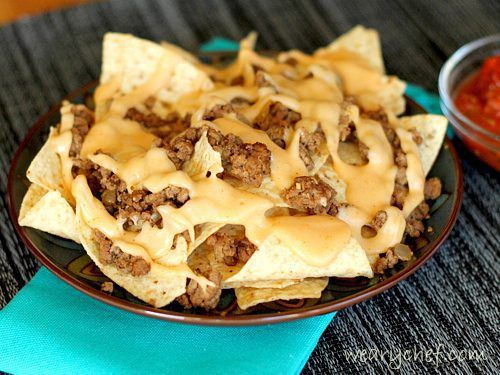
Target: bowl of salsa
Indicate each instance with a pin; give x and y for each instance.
(469, 87)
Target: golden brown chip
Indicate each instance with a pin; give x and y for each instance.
(309, 288)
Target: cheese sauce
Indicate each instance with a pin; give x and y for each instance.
(313, 88)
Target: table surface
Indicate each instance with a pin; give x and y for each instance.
(450, 304)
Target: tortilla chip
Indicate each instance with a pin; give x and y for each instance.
(309, 288)
(364, 42)
(432, 129)
(189, 57)
(277, 262)
(390, 96)
(273, 284)
(160, 286)
(204, 160)
(48, 211)
(328, 175)
(135, 60)
(204, 256)
(45, 168)
(202, 232)
(177, 255)
(267, 189)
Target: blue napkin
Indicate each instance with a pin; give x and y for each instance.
(51, 328)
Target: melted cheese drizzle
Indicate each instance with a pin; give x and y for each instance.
(285, 164)
(414, 171)
(214, 200)
(311, 88)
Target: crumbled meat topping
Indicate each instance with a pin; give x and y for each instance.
(393, 256)
(218, 111)
(181, 148)
(260, 80)
(98, 178)
(249, 162)
(196, 296)
(346, 126)
(83, 121)
(113, 255)
(309, 144)
(107, 287)
(432, 188)
(389, 260)
(401, 183)
(135, 207)
(370, 230)
(277, 121)
(231, 248)
(379, 220)
(140, 205)
(237, 81)
(166, 127)
(310, 194)
(414, 222)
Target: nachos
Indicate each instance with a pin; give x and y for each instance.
(266, 176)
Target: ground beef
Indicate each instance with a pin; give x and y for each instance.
(218, 111)
(134, 207)
(180, 149)
(249, 162)
(310, 194)
(237, 81)
(401, 182)
(388, 260)
(277, 121)
(381, 117)
(98, 178)
(231, 248)
(401, 164)
(379, 220)
(414, 222)
(393, 256)
(309, 144)
(432, 188)
(363, 151)
(140, 205)
(107, 287)
(370, 230)
(113, 255)
(83, 121)
(196, 296)
(260, 80)
(346, 126)
(166, 127)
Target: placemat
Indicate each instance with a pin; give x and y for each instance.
(449, 307)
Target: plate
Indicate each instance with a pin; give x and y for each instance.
(69, 262)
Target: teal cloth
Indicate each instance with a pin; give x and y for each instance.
(51, 328)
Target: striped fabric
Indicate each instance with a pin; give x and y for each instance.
(451, 304)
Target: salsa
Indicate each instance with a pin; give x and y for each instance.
(478, 99)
